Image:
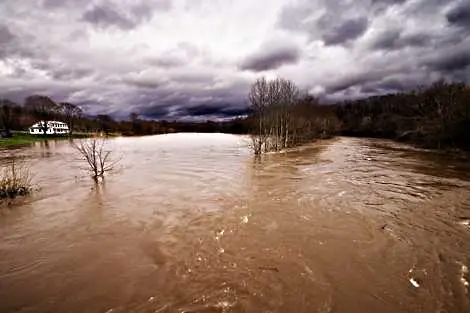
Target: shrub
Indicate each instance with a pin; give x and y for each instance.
(16, 179)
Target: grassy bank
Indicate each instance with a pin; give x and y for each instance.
(24, 138)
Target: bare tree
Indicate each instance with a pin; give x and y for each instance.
(42, 108)
(258, 98)
(93, 151)
(71, 113)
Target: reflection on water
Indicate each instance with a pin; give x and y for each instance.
(192, 223)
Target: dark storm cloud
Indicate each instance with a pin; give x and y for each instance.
(166, 62)
(348, 48)
(215, 109)
(107, 16)
(394, 39)
(347, 31)
(388, 2)
(389, 85)
(350, 81)
(65, 74)
(6, 36)
(156, 112)
(13, 45)
(340, 22)
(199, 104)
(8, 42)
(182, 108)
(124, 17)
(460, 15)
(453, 60)
(52, 4)
(270, 58)
(145, 9)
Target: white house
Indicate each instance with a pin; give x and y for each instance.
(53, 128)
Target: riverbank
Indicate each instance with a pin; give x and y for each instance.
(24, 138)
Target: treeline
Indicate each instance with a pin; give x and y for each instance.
(282, 116)
(436, 117)
(36, 108)
(139, 127)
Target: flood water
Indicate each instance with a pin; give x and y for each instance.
(193, 223)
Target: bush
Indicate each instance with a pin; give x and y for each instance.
(16, 179)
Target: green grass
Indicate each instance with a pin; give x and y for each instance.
(24, 138)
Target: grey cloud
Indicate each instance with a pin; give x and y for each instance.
(348, 30)
(426, 8)
(460, 15)
(270, 58)
(380, 6)
(143, 83)
(177, 56)
(190, 76)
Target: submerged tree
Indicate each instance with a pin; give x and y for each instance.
(98, 158)
(284, 117)
(271, 105)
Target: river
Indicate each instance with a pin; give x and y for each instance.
(193, 223)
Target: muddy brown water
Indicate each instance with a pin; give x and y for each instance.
(192, 223)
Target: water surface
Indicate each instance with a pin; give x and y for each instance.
(192, 223)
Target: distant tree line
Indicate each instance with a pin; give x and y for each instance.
(36, 108)
(282, 116)
(436, 117)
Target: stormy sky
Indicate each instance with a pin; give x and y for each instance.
(195, 59)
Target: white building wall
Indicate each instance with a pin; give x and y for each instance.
(53, 127)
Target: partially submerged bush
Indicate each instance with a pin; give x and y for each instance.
(16, 179)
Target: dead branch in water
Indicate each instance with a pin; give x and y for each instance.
(93, 151)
